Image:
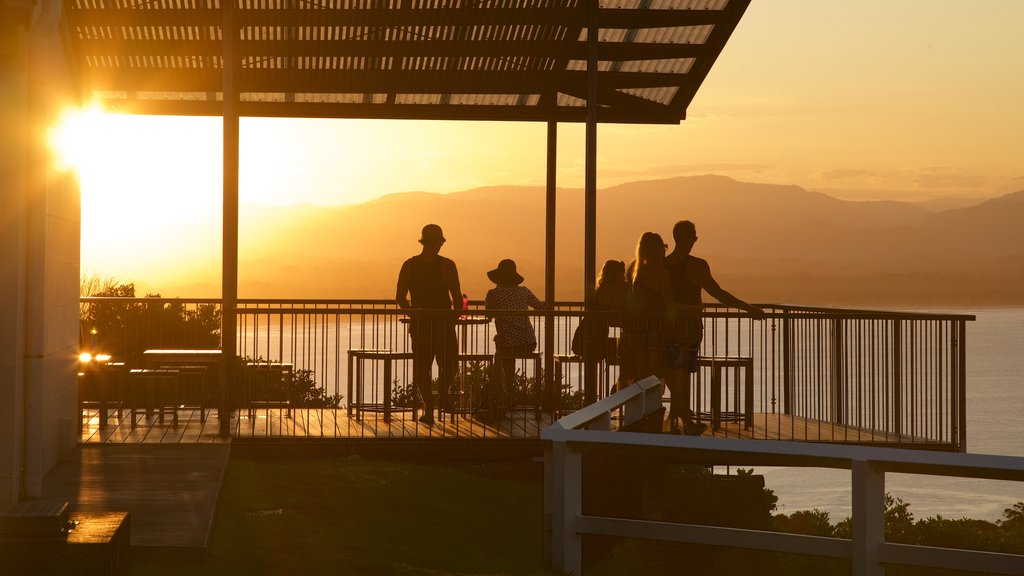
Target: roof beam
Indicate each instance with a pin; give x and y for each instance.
(373, 81)
(607, 51)
(383, 111)
(418, 18)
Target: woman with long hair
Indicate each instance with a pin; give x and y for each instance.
(650, 303)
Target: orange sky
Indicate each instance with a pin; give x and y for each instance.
(899, 99)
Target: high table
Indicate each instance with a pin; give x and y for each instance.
(208, 358)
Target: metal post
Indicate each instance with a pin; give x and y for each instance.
(787, 364)
(897, 375)
(961, 357)
(229, 246)
(549, 400)
(838, 372)
(590, 186)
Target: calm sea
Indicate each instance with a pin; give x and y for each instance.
(995, 425)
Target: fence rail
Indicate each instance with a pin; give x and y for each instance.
(816, 374)
(588, 432)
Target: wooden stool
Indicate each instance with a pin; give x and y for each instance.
(356, 383)
(719, 365)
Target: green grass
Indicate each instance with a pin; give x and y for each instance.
(335, 515)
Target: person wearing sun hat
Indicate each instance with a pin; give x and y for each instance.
(429, 281)
(513, 334)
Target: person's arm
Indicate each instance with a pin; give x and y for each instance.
(454, 289)
(402, 288)
(711, 286)
(534, 302)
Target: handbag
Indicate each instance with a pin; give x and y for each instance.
(582, 341)
(579, 337)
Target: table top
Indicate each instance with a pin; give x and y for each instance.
(172, 352)
(475, 319)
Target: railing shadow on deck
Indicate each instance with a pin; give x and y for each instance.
(811, 374)
(588, 432)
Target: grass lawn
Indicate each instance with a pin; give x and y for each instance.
(337, 515)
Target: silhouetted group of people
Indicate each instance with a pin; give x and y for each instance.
(662, 329)
(430, 283)
(656, 300)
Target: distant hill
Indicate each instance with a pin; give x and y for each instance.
(766, 243)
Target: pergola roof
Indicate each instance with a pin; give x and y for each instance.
(514, 60)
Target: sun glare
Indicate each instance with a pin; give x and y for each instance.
(150, 191)
(72, 139)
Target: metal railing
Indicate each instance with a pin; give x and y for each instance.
(826, 375)
(589, 431)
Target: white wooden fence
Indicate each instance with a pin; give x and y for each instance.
(590, 430)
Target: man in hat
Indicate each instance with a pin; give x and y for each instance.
(429, 281)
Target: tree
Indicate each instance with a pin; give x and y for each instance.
(125, 326)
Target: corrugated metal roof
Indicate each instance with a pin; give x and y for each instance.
(428, 59)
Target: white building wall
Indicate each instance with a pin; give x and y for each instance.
(39, 260)
(13, 188)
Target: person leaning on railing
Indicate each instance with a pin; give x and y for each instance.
(689, 276)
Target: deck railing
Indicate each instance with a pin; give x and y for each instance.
(575, 439)
(814, 374)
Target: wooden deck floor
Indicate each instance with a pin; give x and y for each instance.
(337, 424)
(168, 476)
(301, 423)
(170, 490)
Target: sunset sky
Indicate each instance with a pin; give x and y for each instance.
(895, 99)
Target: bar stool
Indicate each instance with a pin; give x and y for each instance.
(152, 390)
(523, 359)
(356, 383)
(463, 400)
(719, 366)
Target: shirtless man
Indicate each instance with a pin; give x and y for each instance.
(690, 276)
(431, 281)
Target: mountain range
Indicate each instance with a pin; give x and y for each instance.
(766, 243)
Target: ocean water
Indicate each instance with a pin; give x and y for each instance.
(995, 425)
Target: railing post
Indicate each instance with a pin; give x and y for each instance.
(563, 499)
(787, 364)
(838, 372)
(868, 517)
(897, 375)
(961, 357)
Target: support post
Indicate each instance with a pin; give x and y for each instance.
(590, 190)
(229, 247)
(565, 505)
(549, 400)
(868, 518)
